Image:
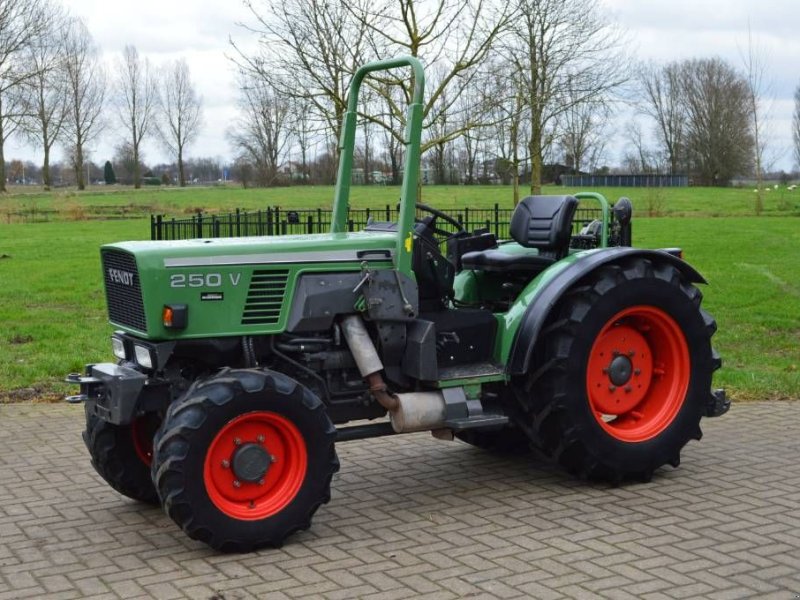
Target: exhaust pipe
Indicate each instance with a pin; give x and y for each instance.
(414, 411)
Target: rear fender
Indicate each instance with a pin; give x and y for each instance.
(525, 319)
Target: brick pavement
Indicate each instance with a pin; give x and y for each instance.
(412, 516)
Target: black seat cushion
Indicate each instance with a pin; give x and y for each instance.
(544, 222)
(497, 260)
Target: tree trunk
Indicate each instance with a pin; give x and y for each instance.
(79, 167)
(46, 179)
(2, 164)
(137, 171)
(536, 163)
(181, 172)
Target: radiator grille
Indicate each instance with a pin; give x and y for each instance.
(265, 297)
(123, 290)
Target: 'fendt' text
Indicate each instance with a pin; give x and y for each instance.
(123, 277)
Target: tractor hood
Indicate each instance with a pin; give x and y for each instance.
(227, 286)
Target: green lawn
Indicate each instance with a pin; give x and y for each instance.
(53, 315)
(115, 200)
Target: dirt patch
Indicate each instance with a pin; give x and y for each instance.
(18, 339)
(33, 395)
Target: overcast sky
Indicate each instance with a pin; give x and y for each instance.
(663, 30)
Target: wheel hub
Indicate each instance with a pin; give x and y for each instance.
(620, 370)
(251, 462)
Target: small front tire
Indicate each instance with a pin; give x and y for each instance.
(245, 459)
(121, 454)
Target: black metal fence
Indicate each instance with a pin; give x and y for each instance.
(592, 181)
(279, 221)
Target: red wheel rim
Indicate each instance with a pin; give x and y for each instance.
(265, 434)
(638, 373)
(143, 430)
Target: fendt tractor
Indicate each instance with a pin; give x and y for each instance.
(240, 361)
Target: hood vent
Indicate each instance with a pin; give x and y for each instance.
(265, 297)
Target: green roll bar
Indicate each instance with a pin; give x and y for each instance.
(413, 134)
(605, 209)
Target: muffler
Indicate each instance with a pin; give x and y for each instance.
(414, 411)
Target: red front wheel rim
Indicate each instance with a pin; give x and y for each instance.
(255, 465)
(143, 430)
(638, 373)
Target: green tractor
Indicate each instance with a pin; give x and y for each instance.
(240, 361)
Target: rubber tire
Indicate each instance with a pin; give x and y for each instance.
(561, 422)
(508, 440)
(191, 424)
(115, 459)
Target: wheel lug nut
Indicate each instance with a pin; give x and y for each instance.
(605, 371)
(260, 482)
(637, 371)
(616, 352)
(226, 464)
(612, 388)
(237, 483)
(237, 442)
(273, 458)
(631, 353)
(260, 439)
(628, 389)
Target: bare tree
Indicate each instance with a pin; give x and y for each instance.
(454, 35)
(755, 72)
(582, 127)
(261, 133)
(796, 125)
(308, 50)
(86, 80)
(719, 138)
(660, 87)
(554, 43)
(47, 88)
(180, 112)
(135, 101)
(22, 25)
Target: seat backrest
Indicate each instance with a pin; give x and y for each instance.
(545, 223)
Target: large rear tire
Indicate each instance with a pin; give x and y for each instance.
(623, 372)
(121, 454)
(245, 459)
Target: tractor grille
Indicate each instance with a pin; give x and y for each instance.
(265, 297)
(123, 290)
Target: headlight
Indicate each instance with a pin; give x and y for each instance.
(118, 347)
(143, 356)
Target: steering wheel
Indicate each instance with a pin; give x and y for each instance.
(444, 217)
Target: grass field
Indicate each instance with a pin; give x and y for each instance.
(52, 313)
(102, 201)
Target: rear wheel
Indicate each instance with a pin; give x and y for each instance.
(623, 372)
(121, 454)
(245, 459)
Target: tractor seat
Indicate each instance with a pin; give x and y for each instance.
(540, 222)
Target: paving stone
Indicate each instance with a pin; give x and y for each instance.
(415, 517)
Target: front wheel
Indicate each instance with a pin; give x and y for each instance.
(121, 454)
(245, 459)
(623, 372)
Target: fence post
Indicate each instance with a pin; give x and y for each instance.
(496, 220)
(310, 224)
(349, 224)
(238, 224)
(388, 214)
(199, 225)
(466, 218)
(319, 221)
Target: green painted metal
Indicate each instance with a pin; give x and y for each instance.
(510, 321)
(231, 262)
(413, 136)
(604, 206)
